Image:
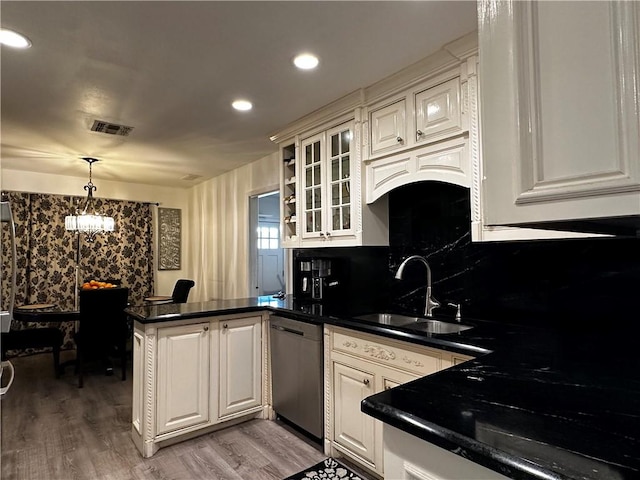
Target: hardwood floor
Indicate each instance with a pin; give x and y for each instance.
(51, 429)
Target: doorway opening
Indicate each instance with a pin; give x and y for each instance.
(266, 256)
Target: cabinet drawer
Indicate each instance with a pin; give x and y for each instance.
(414, 359)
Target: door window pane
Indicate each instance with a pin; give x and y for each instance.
(335, 169)
(308, 200)
(316, 152)
(346, 140)
(346, 218)
(345, 166)
(335, 214)
(317, 221)
(309, 222)
(346, 195)
(316, 175)
(335, 194)
(317, 198)
(268, 237)
(335, 146)
(307, 155)
(308, 180)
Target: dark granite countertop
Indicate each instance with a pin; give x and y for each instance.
(534, 404)
(479, 340)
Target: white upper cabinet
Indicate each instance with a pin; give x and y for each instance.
(421, 114)
(388, 127)
(438, 112)
(321, 186)
(327, 170)
(560, 110)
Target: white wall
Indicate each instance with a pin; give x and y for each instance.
(218, 253)
(215, 220)
(21, 181)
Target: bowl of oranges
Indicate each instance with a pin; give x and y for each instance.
(95, 285)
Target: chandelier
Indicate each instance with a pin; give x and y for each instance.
(88, 221)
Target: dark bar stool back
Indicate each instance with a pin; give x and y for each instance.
(181, 290)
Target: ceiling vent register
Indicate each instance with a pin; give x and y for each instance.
(111, 128)
(190, 177)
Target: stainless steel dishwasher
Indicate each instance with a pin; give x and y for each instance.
(297, 373)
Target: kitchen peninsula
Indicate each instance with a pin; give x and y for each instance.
(534, 404)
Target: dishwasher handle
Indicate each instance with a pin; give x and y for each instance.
(288, 330)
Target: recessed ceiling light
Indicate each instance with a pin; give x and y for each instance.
(13, 39)
(306, 61)
(242, 105)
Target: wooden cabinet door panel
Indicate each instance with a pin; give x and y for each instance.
(388, 127)
(183, 377)
(240, 365)
(438, 111)
(353, 429)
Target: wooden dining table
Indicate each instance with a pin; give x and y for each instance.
(47, 314)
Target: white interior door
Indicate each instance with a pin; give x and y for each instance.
(267, 256)
(270, 259)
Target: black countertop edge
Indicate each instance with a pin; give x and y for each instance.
(516, 468)
(458, 343)
(170, 317)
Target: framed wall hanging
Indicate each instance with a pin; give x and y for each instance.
(169, 238)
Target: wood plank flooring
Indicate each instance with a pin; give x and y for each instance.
(51, 429)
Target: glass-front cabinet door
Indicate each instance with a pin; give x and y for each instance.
(327, 171)
(339, 161)
(312, 184)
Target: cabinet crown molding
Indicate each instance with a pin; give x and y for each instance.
(447, 56)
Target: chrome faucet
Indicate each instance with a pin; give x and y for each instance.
(430, 302)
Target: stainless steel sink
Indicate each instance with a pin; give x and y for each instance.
(389, 319)
(414, 323)
(438, 327)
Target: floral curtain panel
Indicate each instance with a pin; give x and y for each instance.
(47, 253)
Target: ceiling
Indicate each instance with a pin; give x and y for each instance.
(171, 69)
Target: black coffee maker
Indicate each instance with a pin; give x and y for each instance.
(317, 279)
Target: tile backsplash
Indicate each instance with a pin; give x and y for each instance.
(560, 282)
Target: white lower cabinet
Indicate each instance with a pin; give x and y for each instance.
(352, 430)
(193, 376)
(358, 365)
(183, 380)
(409, 458)
(240, 365)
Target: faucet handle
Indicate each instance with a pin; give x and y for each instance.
(458, 313)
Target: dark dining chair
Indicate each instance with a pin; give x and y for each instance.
(181, 290)
(39, 337)
(102, 328)
(180, 293)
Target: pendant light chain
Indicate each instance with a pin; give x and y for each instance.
(89, 221)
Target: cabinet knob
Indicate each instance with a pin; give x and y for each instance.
(206, 329)
(399, 139)
(366, 381)
(225, 326)
(419, 133)
(327, 234)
